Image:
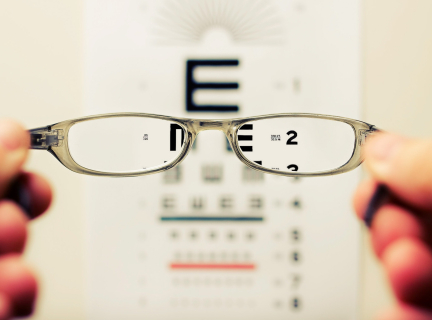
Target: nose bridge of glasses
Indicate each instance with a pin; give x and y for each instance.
(202, 125)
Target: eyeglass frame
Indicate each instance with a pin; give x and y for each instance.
(54, 139)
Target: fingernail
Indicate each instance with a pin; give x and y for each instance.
(25, 308)
(19, 193)
(10, 135)
(379, 197)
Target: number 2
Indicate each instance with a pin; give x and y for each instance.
(292, 135)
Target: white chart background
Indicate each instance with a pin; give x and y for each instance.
(294, 56)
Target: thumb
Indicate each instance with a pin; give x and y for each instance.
(404, 165)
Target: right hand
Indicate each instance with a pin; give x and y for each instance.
(401, 230)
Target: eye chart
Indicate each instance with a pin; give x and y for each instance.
(211, 238)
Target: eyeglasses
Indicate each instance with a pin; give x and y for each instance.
(134, 144)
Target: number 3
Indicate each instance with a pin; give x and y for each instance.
(293, 167)
(292, 135)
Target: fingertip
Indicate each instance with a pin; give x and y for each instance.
(41, 194)
(13, 135)
(391, 223)
(408, 263)
(403, 165)
(19, 284)
(387, 314)
(404, 312)
(13, 230)
(5, 307)
(379, 149)
(14, 145)
(31, 192)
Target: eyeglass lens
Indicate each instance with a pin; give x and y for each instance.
(125, 144)
(304, 145)
(290, 144)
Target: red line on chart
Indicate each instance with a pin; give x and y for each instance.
(213, 266)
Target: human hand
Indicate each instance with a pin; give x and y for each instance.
(401, 230)
(18, 285)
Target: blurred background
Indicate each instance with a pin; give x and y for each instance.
(42, 82)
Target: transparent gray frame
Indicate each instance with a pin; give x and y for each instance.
(54, 139)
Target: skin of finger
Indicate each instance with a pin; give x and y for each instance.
(362, 196)
(392, 223)
(408, 263)
(40, 192)
(18, 283)
(13, 230)
(408, 172)
(11, 161)
(5, 307)
(404, 312)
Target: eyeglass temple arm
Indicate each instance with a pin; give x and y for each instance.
(44, 138)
